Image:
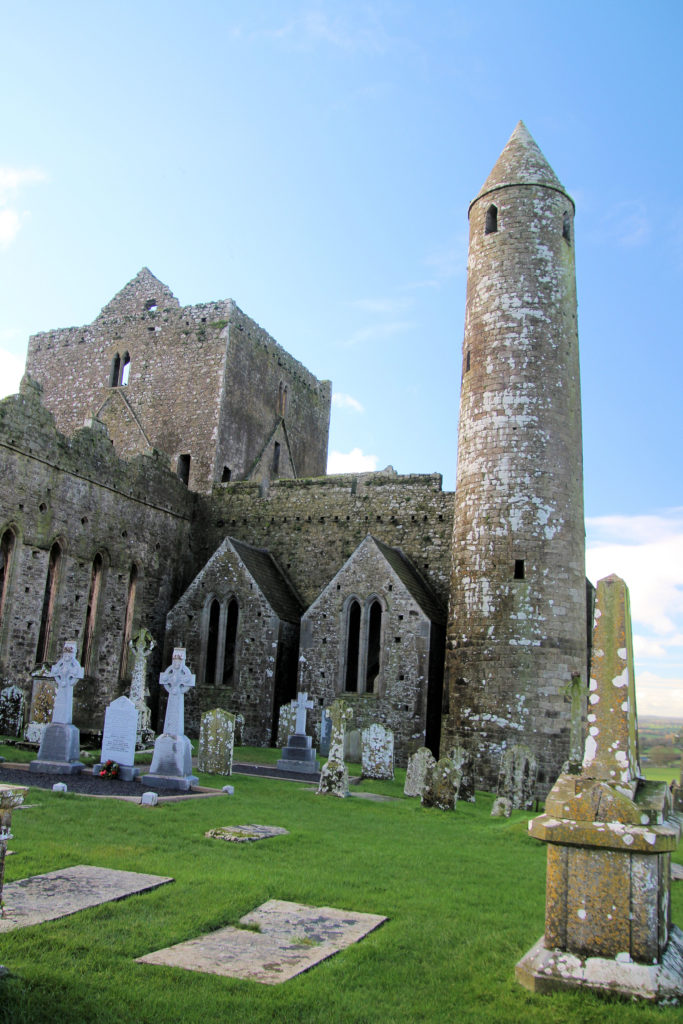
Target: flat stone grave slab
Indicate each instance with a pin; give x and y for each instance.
(60, 893)
(291, 939)
(245, 833)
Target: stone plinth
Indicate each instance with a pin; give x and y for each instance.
(60, 743)
(610, 836)
(299, 755)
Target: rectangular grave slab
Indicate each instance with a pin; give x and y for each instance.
(292, 938)
(63, 892)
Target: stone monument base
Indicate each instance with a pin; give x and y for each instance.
(127, 772)
(172, 764)
(548, 970)
(59, 750)
(299, 755)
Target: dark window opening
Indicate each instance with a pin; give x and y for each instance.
(567, 228)
(49, 598)
(467, 361)
(491, 225)
(128, 621)
(212, 643)
(151, 306)
(276, 459)
(91, 612)
(227, 473)
(115, 371)
(352, 646)
(519, 568)
(6, 551)
(374, 638)
(184, 469)
(230, 642)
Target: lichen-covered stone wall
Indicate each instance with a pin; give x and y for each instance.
(78, 493)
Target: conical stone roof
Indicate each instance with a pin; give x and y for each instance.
(520, 163)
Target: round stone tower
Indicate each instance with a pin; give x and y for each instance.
(517, 619)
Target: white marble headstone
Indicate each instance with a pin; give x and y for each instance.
(120, 730)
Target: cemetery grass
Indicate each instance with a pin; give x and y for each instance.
(463, 894)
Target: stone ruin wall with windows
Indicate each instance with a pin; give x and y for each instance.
(77, 494)
(204, 381)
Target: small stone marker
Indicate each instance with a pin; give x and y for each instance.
(334, 777)
(441, 786)
(517, 777)
(149, 799)
(67, 890)
(142, 645)
(119, 738)
(462, 759)
(377, 752)
(502, 807)
(10, 797)
(286, 725)
(42, 703)
(216, 742)
(245, 833)
(610, 835)
(290, 938)
(60, 745)
(172, 760)
(325, 732)
(11, 711)
(352, 746)
(420, 765)
(299, 754)
(59, 787)
(239, 729)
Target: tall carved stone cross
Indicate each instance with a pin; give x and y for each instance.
(66, 674)
(302, 703)
(176, 679)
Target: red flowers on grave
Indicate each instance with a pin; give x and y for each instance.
(109, 770)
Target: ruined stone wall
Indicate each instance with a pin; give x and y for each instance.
(400, 693)
(263, 385)
(517, 625)
(77, 492)
(204, 381)
(313, 526)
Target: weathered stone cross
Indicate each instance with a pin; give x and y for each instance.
(176, 679)
(66, 674)
(302, 703)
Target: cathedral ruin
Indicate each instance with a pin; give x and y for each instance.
(164, 467)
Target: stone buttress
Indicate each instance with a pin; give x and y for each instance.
(517, 618)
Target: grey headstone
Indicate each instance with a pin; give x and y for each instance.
(120, 732)
(441, 786)
(11, 711)
(377, 752)
(420, 765)
(352, 746)
(216, 742)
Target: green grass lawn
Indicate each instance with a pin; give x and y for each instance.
(463, 893)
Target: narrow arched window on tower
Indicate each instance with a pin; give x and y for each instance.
(49, 599)
(183, 469)
(567, 228)
(467, 361)
(519, 568)
(125, 369)
(115, 371)
(491, 225)
(232, 619)
(374, 645)
(352, 646)
(91, 612)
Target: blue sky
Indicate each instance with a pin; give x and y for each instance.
(314, 161)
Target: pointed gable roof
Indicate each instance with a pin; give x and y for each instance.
(138, 295)
(414, 583)
(520, 163)
(270, 579)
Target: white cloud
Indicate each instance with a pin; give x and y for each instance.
(342, 401)
(12, 180)
(646, 551)
(11, 372)
(354, 461)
